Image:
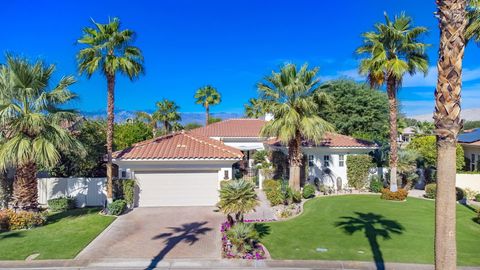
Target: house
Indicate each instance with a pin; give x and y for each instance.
(185, 168)
(470, 141)
(406, 135)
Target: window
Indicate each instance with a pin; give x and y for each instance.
(311, 161)
(472, 163)
(326, 161)
(225, 175)
(341, 160)
(124, 174)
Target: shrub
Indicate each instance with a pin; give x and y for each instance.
(117, 207)
(296, 196)
(275, 196)
(357, 170)
(470, 194)
(11, 220)
(238, 197)
(477, 197)
(61, 204)
(270, 184)
(376, 185)
(399, 195)
(431, 191)
(308, 191)
(128, 187)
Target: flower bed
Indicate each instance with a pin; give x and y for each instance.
(257, 253)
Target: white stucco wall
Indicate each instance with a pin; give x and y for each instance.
(86, 191)
(470, 150)
(471, 181)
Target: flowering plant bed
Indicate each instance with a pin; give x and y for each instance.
(256, 252)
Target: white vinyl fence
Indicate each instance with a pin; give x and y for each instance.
(471, 181)
(86, 191)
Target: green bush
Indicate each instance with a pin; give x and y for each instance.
(477, 197)
(357, 170)
(308, 191)
(296, 196)
(270, 184)
(275, 196)
(128, 187)
(117, 207)
(376, 185)
(431, 192)
(427, 148)
(61, 204)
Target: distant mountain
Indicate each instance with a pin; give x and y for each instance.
(187, 117)
(467, 114)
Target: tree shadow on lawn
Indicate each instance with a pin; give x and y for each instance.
(185, 233)
(374, 226)
(7, 234)
(262, 229)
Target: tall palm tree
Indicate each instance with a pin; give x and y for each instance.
(255, 108)
(167, 113)
(207, 96)
(33, 115)
(392, 50)
(108, 50)
(291, 96)
(452, 22)
(150, 120)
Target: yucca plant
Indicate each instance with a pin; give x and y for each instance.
(33, 115)
(237, 197)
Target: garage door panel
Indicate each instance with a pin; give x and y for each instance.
(177, 189)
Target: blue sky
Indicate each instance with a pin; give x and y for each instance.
(229, 44)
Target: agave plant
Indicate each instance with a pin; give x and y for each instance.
(237, 197)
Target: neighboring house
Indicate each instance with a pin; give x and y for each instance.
(406, 135)
(185, 168)
(327, 162)
(470, 141)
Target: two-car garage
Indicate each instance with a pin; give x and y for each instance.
(176, 188)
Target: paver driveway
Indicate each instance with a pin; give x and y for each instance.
(160, 233)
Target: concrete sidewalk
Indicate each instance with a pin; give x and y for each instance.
(140, 263)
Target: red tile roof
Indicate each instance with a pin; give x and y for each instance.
(332, 140)
(181, 145)
(244, 127)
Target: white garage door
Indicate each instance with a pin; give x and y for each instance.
(177, 189)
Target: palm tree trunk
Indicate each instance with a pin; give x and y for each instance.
(452, 21)
(392, 102)
(207, 114)
(5, 190)
(25, 190)
(295, 155)
(110, 127)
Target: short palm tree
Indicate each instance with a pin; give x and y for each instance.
(237, 197)
(207, 96)
(108, 50)
(292, 95)
(392, 50)
(167, 113)
(34, 117)
(452, 19)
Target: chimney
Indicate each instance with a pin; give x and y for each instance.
(268, 116)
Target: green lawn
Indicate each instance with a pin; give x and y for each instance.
(63, 237)
(364, 227)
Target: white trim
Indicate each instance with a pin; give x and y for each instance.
(175, 159)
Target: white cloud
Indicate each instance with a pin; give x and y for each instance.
(349, 73)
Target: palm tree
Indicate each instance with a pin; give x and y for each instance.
(255, 108)
(392, 50)
(150, 120)
(452, 22)
(108, 50)
(167, 113)
(207, 96)
(238, 198)
(292, 96)
(34, 116)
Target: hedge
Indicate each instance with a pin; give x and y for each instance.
(61, 204)
(357, 170)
